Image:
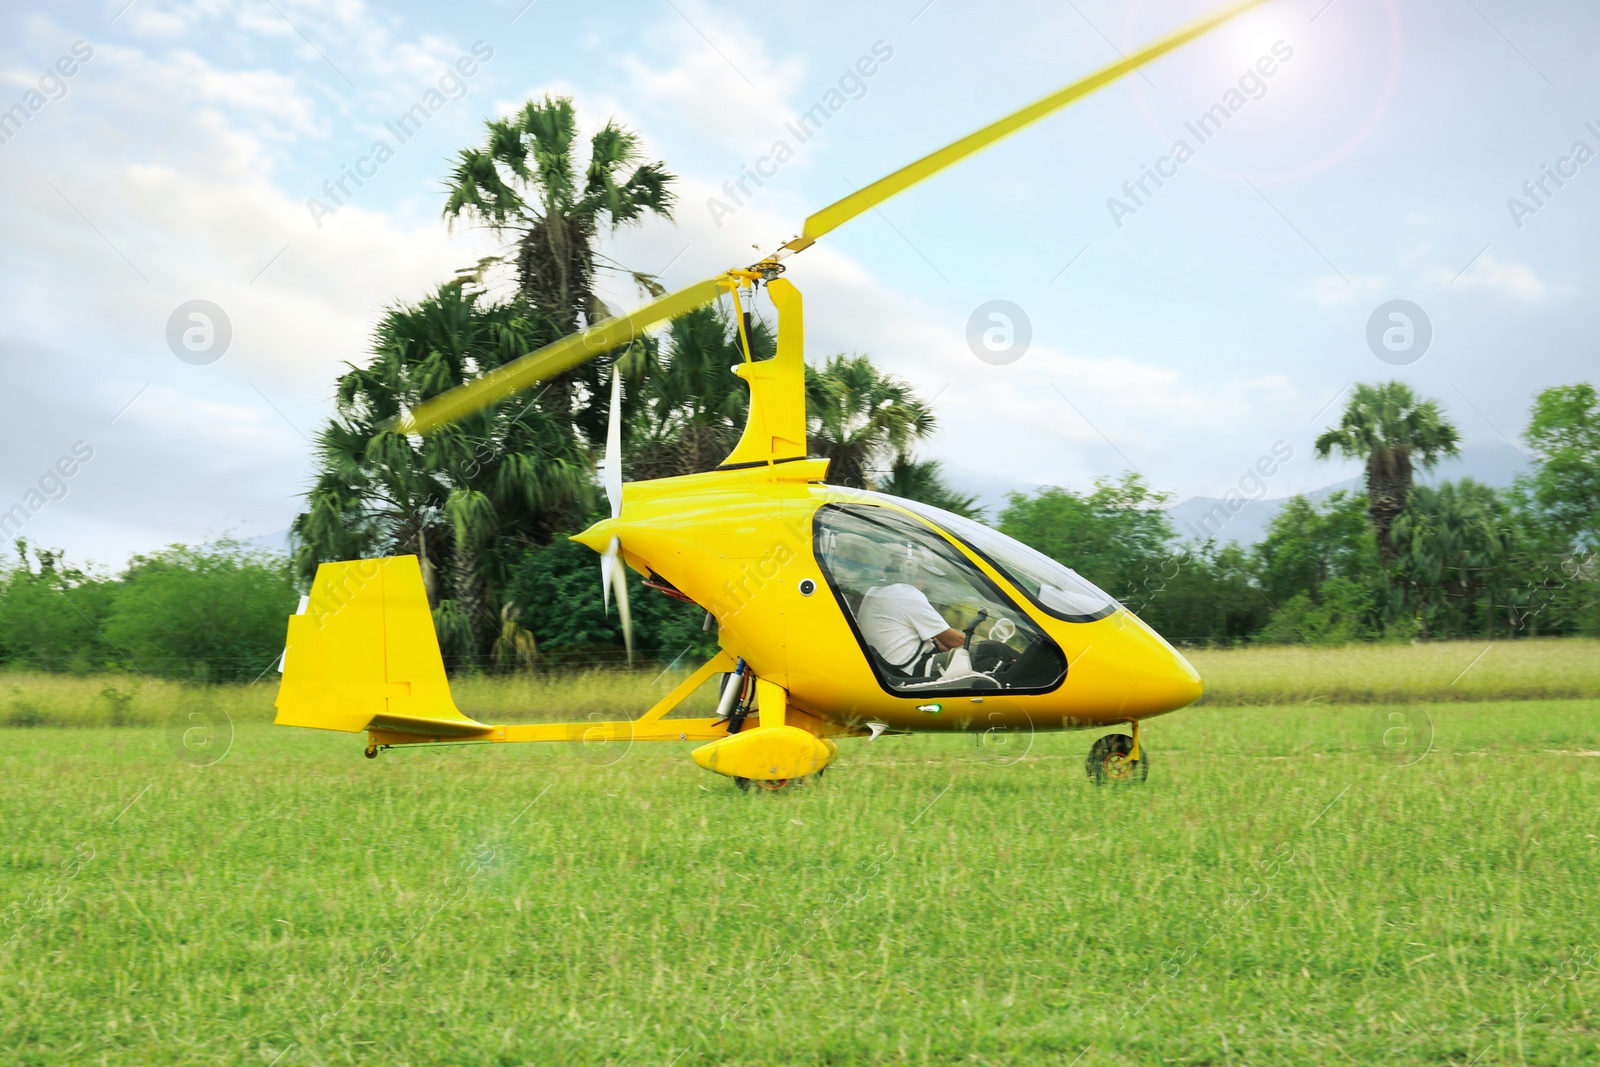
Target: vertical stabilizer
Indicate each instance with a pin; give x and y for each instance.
(363, 654)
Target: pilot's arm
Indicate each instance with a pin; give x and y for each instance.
(951, 638)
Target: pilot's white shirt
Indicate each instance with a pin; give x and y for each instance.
(897, 619)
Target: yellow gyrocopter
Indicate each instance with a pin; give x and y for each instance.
(839, 612)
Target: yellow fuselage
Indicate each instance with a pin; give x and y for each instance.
(739, 543)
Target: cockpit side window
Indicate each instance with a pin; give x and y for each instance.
(929, 621)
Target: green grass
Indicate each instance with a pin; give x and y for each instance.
(34, 699)
(1547, 668)
(1542, 669)
(1275, 894)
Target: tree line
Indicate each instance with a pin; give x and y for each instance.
(487, 502)
(1400, 561)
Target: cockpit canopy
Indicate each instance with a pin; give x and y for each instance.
(901, 582)
(1053, 588)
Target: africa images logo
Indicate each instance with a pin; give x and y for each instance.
(1252, 85)
(852, 85)
(52, 85)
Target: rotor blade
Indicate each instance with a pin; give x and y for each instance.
(613, 460)
(555, 357)
(861, 200)
(574, 349)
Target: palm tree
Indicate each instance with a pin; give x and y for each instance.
(523, 180)
(512, 471)
(687, 407)
(923, 480)
(861, 418)
(1450, 544)
(1388, 427)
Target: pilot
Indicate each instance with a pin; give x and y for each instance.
(900, 624)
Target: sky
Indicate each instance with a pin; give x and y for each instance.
(1183, 326)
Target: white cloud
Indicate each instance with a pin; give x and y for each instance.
(346, 43)
(217, 427)
(1489, 273)
(1331, 292)
(1501, 277)
(714, 72)
(146, 20)
(182, 185)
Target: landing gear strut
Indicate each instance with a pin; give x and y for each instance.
(1118, 758)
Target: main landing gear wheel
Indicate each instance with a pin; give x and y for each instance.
(775, 785)
(1108, 762)
(762, 785)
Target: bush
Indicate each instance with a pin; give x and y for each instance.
(1343, 612)
(557, 593)
(217, 613)
(1115, 536)
(1201, 595)
(51, 618)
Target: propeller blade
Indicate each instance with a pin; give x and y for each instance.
(554, 358)
(614, 574)
(842, 211)
(608, 564)
(620, 576)
(613, 460)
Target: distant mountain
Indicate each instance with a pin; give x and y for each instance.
(1497, 464)
(1201, 517)
(990, 489)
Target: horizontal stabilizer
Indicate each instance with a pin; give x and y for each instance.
(405, 724)
(363, 655)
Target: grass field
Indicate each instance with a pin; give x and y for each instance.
(1442, 671)
(1276, 893)
(1546, 668)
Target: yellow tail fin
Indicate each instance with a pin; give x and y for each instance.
(363, 655)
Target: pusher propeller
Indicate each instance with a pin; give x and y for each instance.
(611, 574)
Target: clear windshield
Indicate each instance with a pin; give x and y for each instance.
(1053, 587)
(930, 621)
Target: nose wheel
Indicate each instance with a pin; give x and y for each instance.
(1111, 761)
